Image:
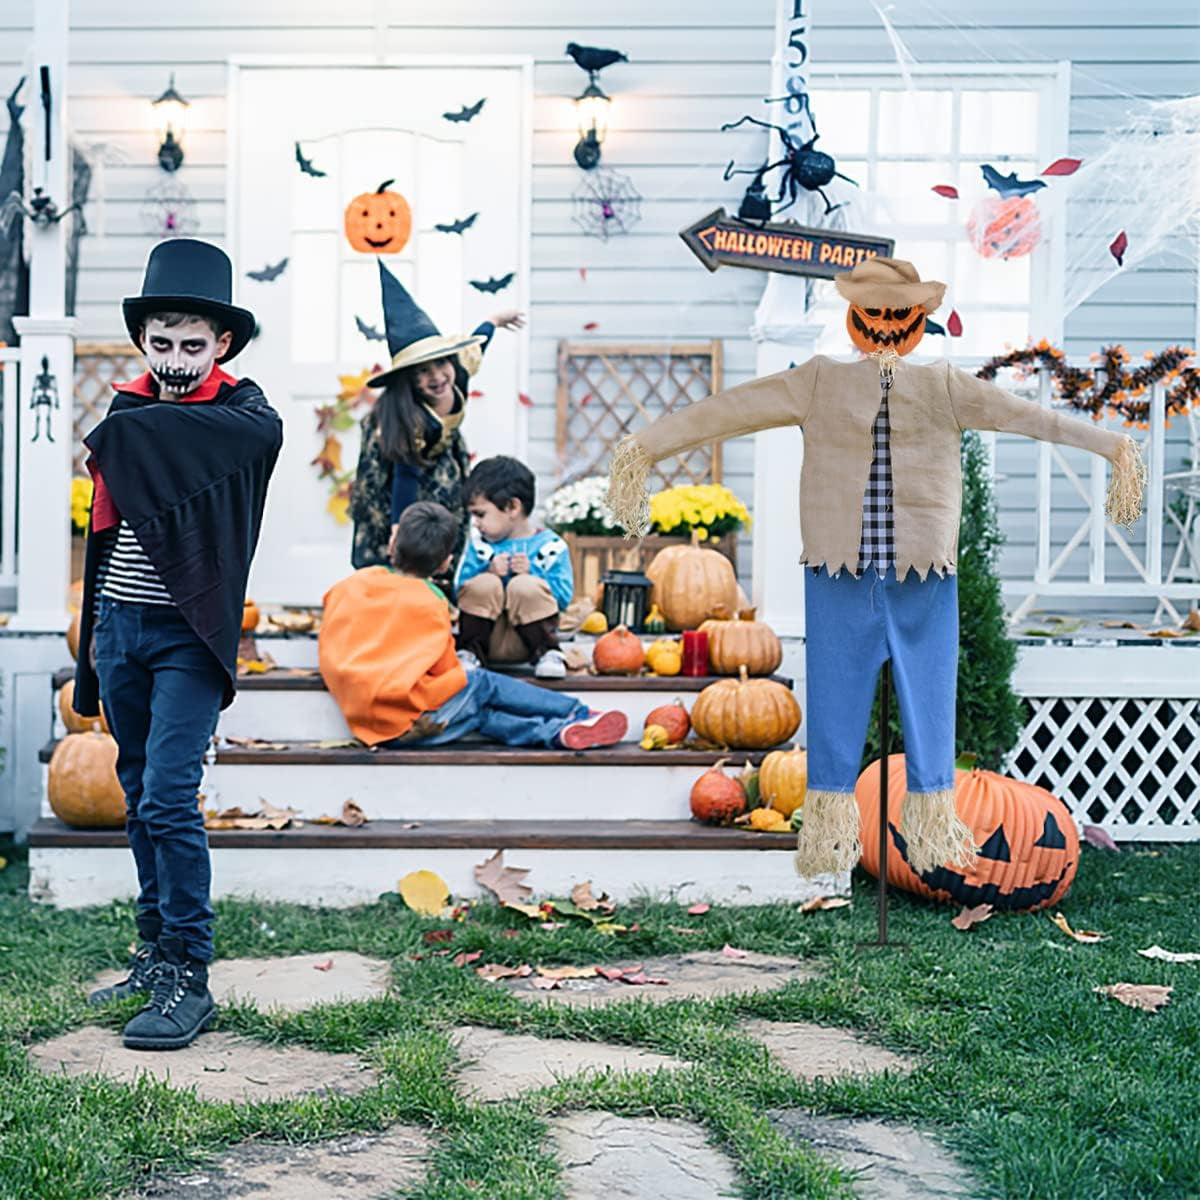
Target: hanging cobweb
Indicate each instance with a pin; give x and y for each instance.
(606, 203)
(168, 210)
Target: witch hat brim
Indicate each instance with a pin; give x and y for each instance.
(426, 350)
(239, 321)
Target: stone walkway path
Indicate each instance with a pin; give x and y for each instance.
(601, 1153)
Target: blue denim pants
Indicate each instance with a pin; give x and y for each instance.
(162, 689)
(853, 627)
(505, 710)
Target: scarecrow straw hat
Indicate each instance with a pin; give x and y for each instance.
(889, 283)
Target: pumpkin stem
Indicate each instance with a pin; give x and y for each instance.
(383, 187)
(743, 673)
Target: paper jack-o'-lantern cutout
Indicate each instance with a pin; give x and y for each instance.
(875, 329)
(1008, 224)
(378, 222)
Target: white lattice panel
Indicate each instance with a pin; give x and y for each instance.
(1131, 765)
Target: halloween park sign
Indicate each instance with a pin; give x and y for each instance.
(786, 247)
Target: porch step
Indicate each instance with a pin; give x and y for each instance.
(678, 860)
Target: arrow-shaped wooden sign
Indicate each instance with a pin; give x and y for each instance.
(786, 247)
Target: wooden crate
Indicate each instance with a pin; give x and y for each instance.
(591, 556)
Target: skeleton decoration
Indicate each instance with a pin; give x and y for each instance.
(44, 401)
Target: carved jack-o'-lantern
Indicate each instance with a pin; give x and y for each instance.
(1028, 843)
(378, 222)
(875, 329)
(1004, 226)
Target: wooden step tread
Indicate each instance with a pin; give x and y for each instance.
(469, 754)
(447, 835)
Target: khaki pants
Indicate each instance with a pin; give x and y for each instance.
(521, 601)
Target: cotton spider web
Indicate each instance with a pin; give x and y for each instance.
(168, 211)
(606, 203)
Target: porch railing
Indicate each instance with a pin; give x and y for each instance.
(9, 425)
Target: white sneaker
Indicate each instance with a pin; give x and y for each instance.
(469, 659)
(552, 665)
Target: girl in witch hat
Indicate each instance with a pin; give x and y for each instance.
(180, 463)
(412, 447)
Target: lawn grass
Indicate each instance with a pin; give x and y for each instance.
(1043, 1089)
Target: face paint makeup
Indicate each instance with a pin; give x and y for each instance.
(182, 354)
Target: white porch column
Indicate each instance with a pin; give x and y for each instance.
(47, 337)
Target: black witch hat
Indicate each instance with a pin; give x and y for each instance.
(189, 276)
(411, 336)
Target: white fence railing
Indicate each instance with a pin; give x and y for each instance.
(1053, 558)
(9, 426)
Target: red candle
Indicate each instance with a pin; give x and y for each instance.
(695, 652)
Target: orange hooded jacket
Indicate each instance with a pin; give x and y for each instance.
(386, 652)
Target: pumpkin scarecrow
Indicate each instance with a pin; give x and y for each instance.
(880, 499)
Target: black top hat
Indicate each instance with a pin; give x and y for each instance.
(190, 276)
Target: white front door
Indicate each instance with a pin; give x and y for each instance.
(360, 126)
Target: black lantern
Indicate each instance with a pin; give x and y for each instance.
(591, 111)
(626, 599)
(170, 111)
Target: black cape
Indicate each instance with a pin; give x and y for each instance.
(191, 480)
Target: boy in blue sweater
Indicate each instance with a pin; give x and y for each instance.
(513, 579)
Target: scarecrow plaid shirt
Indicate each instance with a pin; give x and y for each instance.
(878, 546)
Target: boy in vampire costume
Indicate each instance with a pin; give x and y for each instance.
(880, 501)
(180, 465)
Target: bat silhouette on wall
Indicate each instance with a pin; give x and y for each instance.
(368, 331)
(492, 284)
(458, 226)
(1009, 185)
(269, 272)
(467, 112)
(306, 165)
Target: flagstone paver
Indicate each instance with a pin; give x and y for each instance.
(497, 1065)
(292, 983)
(219, 1066)
(897, 1162)
(701, 974)
(621, 1157)
(816, 1051)
(358, 1167)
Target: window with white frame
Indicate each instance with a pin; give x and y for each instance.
(897, 142)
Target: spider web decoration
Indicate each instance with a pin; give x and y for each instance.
(168, 211)
(606, 203)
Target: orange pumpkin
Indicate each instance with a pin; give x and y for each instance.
(875, 329)
(378, 222)
(1004, 226)
(73, 636)
(783, 780)
(1029, 846)
(692, 584)
(82, 784)
(746, 714)
(71, 719)
(715, 798)
(618, 652)
(671, 717)
(742, 642)
(250, 616)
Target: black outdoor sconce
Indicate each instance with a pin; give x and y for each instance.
(171, 112)
(591, 113)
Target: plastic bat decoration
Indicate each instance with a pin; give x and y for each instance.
(468, 112)
(305, 164)
(269, 272)
(368, 331)
(459, 226)
(492, 284)
(1009, 185)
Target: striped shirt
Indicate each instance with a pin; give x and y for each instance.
(878, 545)
(127, 574)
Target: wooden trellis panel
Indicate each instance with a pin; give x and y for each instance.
(607, 391)
(97, 366)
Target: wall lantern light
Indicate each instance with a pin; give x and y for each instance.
(170, 111)
(591, 113)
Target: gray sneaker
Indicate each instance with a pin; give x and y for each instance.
(180, 1006)
(141, 968)
(469, 659)
(552, 665)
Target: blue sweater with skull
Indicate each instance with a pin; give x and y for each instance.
(548, 560)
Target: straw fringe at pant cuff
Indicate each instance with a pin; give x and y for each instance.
(934, 833)
(627, 497)
(1127, 484)
(828, 841)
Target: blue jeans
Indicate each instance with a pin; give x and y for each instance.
(162, 690)
(505, 710)
(853, 627)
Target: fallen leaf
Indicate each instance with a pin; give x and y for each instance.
(430, 936)
(698, 910)
(585, 399)
(1169, 955)
(246, 743)
(293, 622)
(504, 882)
(466, 957)
(271, 813)
(946, 189)
(970, 917)
(641, 978)
(583, 274)
(552, 925)
(818, 903)
(494, 971)
(352, 815)
(567, 972)
(1118, 246)
(1120, 625)
(546, 985)
(424, 892)
(1086, 936)
(327, 965)
(475, 394)
(590, 325)
(532, 911)
(1192, 620)
(954, 325)
(524, 400)
(1063, 166)
(581, 897)
(1149, 997)
(1094, 835)
(611, 927)
(612, 973)
(732, 951)
(1165, 633)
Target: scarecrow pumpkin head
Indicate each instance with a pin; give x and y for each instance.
(378, 222)
(888, 303)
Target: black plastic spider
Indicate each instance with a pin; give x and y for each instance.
(803, 167)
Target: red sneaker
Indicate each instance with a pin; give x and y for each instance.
(605, 729)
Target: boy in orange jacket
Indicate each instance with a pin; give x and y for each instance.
(387, 656)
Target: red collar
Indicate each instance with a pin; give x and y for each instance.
(144, 385)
